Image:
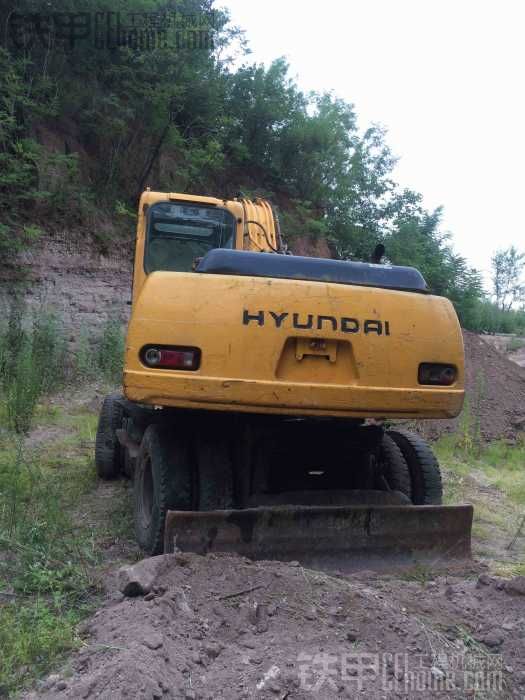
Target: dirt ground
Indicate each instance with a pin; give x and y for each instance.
(222, 626)
(502, 342)
(495, 387)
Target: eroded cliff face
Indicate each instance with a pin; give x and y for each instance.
(68, 277)
(312, 247)
(84, 287)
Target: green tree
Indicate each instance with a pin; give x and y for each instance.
(507, 271)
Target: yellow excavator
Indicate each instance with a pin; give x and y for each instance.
(259, 390)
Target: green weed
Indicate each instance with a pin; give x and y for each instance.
(420, 573)
(46, 556)
(33, 634)
(493, 480)
(86, 367)
(110, 351)
(32, 360)
(468, 437)
(46, 561)
(515, 344)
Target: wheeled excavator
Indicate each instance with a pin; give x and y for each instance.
(263, 391)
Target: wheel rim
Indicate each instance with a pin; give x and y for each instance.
(146, 491)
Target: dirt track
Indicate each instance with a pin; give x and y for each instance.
(225, 627)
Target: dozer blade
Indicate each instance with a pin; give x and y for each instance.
(342, 538)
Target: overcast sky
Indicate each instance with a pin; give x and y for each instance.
(445, 77)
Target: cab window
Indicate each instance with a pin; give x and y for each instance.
(178, 233)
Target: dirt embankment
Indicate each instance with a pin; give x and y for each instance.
(223, 626)
(518, 356)
(495, 389)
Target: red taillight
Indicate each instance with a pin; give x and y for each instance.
(171, 357)
(437, 374)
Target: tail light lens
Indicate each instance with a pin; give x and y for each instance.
(437, 374)
(171, 357)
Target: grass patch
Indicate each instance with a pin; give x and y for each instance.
(491, 477)
(515, 344)
(33, 634)
(419, 573)
(502, 464)
(102, 356)
(49, 559)
(49, 547)
(52, 538)
(46, 559)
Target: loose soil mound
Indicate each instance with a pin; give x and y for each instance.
(222, 626)
(495, 389)
(504, 342)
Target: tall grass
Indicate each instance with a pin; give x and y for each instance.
(101, 355)
(468, 438)
(35, 361)
(110, 351)
(32, 363)
(45, 557)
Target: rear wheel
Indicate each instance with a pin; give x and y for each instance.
(108, 452)
(425, 474)
(393, 467)
(162, 482)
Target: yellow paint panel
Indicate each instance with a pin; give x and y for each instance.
(250, 363)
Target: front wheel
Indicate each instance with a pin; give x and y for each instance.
(393, 467)
(425, 474)
(162, 482)
(108, 452)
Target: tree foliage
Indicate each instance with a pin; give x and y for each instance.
(508, 267)
(85, 125)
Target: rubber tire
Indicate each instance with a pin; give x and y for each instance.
(108, 451)
(162, 482)
(394, 467)
(214, 472)
(427, 486)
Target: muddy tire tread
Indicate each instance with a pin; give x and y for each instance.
(171, 472)
(396, 468)
(427, 486)
(108, 453)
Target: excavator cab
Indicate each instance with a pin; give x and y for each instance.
(178, 234)
(259, 391)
